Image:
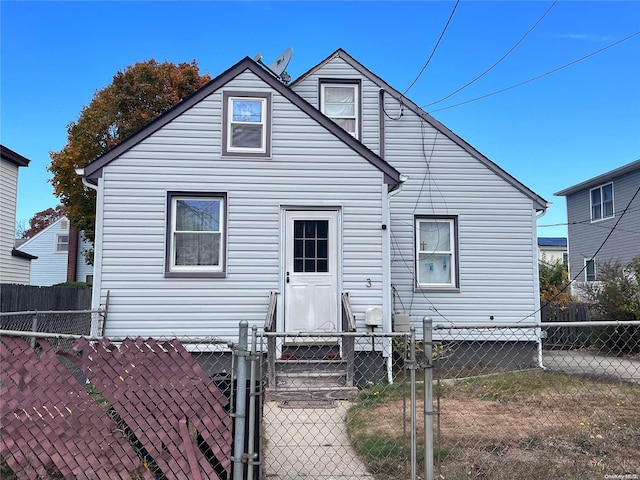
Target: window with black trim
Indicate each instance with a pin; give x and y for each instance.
(436, 252)
(196, 234)
(246, 128)
(341, 103)
(601, 202)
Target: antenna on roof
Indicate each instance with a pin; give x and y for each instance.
(277, 68)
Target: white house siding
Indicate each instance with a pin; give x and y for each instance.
(308, 167)
(50, 268)
(12, 269)
(496, 222)
(83, 269)
(496, 231)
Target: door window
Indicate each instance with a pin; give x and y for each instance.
(311, 246)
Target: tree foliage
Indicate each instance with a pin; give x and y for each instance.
(616, 296)
(136, 96)
(617, 292)
(554, 281)
(42, 220)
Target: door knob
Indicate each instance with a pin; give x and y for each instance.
(288, 279)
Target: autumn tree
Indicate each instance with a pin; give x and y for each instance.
(135, 97)
(554, 282)
(42, 220)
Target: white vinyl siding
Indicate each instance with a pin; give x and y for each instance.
(497, 268)
(12, 269)
(50, 267)
(308, 167)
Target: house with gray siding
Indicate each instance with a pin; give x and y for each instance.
(335, 183)
(14, 263)
(603, 214)
(60, 255)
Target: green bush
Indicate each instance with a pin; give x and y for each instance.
(617, 298)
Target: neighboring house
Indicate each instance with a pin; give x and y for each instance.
(55, 264)
(249, 187)
(604, 220)
(552, 250)
(14, 263)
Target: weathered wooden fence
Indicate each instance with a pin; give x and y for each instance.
(149, 411)
(574, 337)
(20, 298)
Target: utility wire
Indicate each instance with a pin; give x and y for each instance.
(434, 49)
(499, 61)
(593, 256)
(539, 76)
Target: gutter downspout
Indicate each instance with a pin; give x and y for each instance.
(96, 328)
(537, 282)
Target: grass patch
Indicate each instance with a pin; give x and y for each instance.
(533, 424)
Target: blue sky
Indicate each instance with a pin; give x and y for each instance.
(550, 133)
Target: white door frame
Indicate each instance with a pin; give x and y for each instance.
(336, 236)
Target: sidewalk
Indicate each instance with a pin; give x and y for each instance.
(309, 443)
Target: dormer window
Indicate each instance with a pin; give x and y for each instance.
(340, 101)
(246, 125)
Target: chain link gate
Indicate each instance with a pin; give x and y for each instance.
(334, 405)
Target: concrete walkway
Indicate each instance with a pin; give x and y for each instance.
(309, 443)
(584, 363)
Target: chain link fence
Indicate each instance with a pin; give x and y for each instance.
(505, 402)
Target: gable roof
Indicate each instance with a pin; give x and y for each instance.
(600, 179)
(29, 241)
(13, 157)
(94, 169)
(539, 202)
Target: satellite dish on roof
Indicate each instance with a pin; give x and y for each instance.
(278, 66)
(281, 62)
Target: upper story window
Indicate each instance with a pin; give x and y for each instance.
(246, 125)
(62, 243)
(341, 103)
(196, 236)
(602, 202)
(436, 253)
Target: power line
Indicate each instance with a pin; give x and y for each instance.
(538, 77)
(497, 62)
(434, 48)
(593, 256)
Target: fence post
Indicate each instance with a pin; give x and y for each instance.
(241, 400)
(413, 365)
(251, 454)
(34, 328)
(427, 328)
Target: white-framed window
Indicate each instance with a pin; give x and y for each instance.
(62, 242)
(196, 234)
(341, 103)
(246, 125)
(436, 252)
(589, 270)
(602, 202)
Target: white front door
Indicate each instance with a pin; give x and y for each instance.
(311, 271)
